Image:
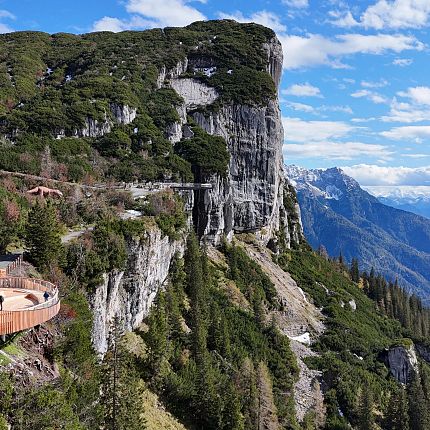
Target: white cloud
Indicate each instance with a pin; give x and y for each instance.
(263, 17)
(336, 150)
(300, 107)
(150, 14)
(411, 132)
(380, 84)
(299, 4)
(418, 95)
(343, 19)
(416, 110)
(363, 120)
(108, 23)
(6, 14)
(316, 50)
(418, 156)
(298, 130)
(370, 95)
(166, 12)
(386, 14)
(302, 90)
(403, 62)
(317, 110)
(312, 139)
(343, 109)
(367, 174)
(4, 28)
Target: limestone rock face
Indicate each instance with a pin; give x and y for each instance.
(193, 92)
(120, 114)
(123, 114)
(252, 194)
(250, 197)
(129, 294)
(423, 351)
(94, 128)
(403, 363)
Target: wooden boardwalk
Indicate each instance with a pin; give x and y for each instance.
(24, 306)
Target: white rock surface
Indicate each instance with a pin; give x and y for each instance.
(123, 114)
(403, 363)
(194, 92)
(129, 294)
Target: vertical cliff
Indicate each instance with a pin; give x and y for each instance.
(250, 197)
(129, 294)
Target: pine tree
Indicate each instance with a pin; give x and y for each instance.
(366, 418)
(158, 339)
(198, 295)
(43, 239)
(249, 393)
(418, 407)
(121, 398)
(267, 413)
(355, 271)
(397, 417)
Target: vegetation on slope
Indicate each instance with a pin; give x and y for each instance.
(359, 387)
(56, 85)
(212, 361)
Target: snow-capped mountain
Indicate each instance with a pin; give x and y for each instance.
(339, 214)
(414, 199)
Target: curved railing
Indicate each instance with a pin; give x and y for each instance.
(12, 321)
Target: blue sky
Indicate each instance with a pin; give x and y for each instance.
(356, 87)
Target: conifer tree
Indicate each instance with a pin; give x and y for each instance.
(121, 394)
(43, 239)
(397, 417)
(355, 271)
(366, 418)
(158, 338)
(418, 407)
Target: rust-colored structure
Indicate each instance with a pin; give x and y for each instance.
(8, 263)
(25, 306)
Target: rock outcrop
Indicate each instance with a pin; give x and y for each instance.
(129, 294)
(402, 362)
(250, 197)
(94, 128)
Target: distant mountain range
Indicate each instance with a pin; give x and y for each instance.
(411, 198)
(339, 214)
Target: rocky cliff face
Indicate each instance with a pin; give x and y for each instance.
(93, 128)
(250, 197)
(129, 294)
(403, 363)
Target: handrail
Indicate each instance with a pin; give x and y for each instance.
(32, 284)
(12, 321)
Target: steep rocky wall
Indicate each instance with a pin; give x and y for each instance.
(129, 294)
(250, 198)
(403, 363)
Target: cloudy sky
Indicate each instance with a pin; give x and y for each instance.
(356, 84)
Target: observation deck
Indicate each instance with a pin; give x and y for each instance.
(24, 304)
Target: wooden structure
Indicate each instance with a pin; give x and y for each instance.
(8, 263)
(29, 307)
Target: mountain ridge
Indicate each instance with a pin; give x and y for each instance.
(339, 214)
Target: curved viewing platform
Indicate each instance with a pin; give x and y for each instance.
(25, 305)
